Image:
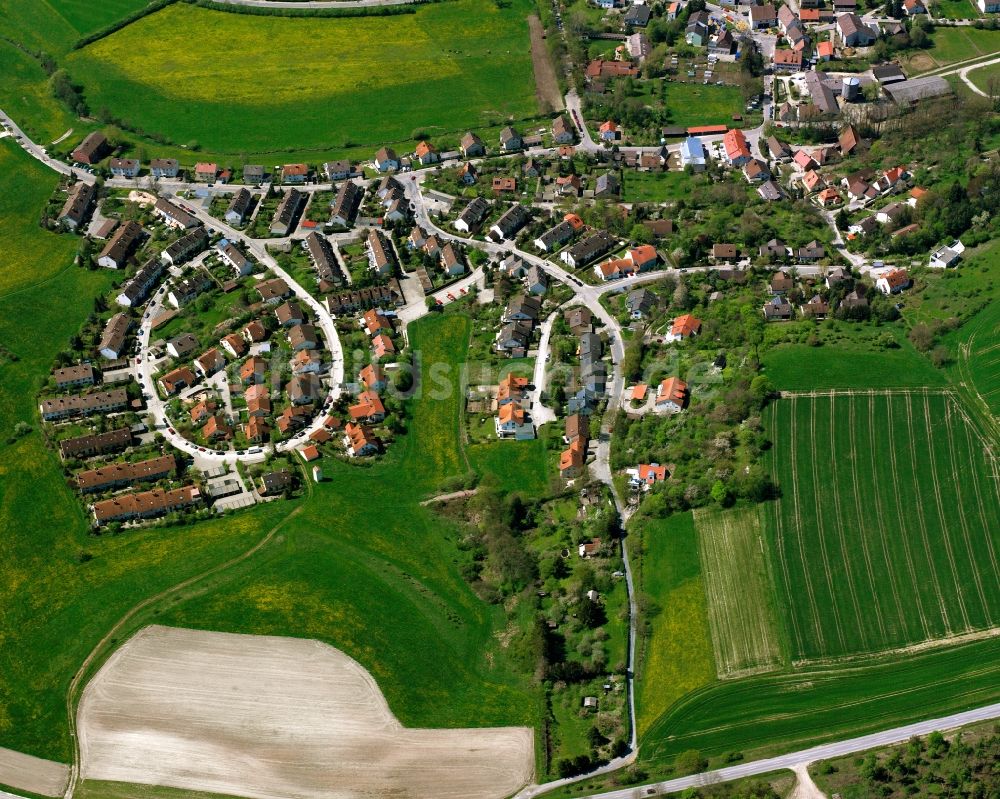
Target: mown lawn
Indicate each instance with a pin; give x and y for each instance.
(676, 656)
(654, 187)
(697, 104)
(320, 82)
(521, 466)
(985, 76)
(956, 9)
(863, 569)
(959, 44)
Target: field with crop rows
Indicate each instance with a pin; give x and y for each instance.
(734, 556)
(886, 533)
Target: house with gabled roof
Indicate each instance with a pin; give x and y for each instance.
(510, 140)
(672, 395)
(471, 145)
(385, 160)
(683, 327)
(893, 281)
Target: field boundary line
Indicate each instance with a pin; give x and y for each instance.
(779, 540)
(883, 529)
(922, 521)
(81, 673)
(820, 528)
(939, 505)
(863, 392)
(798, 531)
(963, 521)
(862, 660)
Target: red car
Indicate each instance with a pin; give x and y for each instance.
(451, 296)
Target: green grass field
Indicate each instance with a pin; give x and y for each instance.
(677, 656)
(886, 530)
(654, 187)
(697, 104)
(798, 367)
(956, 9)
(766, 714)
(746, 634)
(958, 44)
(321, 83)
(985, 77)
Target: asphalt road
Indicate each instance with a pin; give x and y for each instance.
(793, 759)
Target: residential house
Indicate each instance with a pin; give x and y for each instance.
(210, 362)
(92, 149)
(646, 475)
(510, 140)
(847, 140)
(573, 459)
(774, 249)
(181, 346)
(303, 337)
(233, 257)
(82, 374)
(637, 15)
(725, 253)
(756, 171)
(452, 260)
(287, 214)
(112, 343)
(386, 160)
(95, 444)
(562, 131)
(234, 345)
(124, 167)
(683, 327)
(770, 190)
(79, 199)
(304, 389)
(176, 380)
(736, 149)
(360, 441)
(781, 283)
(587, 249)
(698, 28)
(145, 504)
(324, 261)
(472, 146)
(508, 225)
(787, 60)
(137, 288)
(504, 185)
(609, 132)
(205, 172)
(120, 246)
(188, 289)
(164, 168)
(672, 395)
(253, 371)
(555, 237)
(947, 255)
(693, 154)
(289, 314)
(816, 308)
(187, 246)
(763, 16)
(472, 216)
(854, 32)
(607, 185)
(239, 207)
(373, 378)
(368, 409)
(777, 309)
(273, 291)
(468, 174)
(893, 281)
(569, 185)
(342, 169)
(536, 281)
(640, 302)
(102, 402)
(426, 154)
(381, 254)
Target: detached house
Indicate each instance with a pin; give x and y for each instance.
(672, 395)
(386, 160)
(893, 282)
(683, 327)
(472, 146)
(777, 309)
(510, 140)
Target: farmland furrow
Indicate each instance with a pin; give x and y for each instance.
(939, 504)
(793, 458)
(779, 540)
(981, 504)
(880, 521)
(935, 582)
(841, 523)
(963, 521)
(817, 505)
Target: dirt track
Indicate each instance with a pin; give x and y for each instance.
(276, 717)
(546, 82)
(32, 774)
